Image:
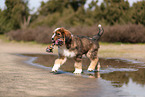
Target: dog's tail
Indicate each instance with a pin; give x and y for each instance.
(100, 33)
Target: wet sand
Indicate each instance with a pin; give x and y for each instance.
(127, 76)
(19, 79)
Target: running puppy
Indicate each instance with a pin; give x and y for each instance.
(75, 46)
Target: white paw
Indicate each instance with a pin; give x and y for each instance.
(90, 69)
(78, 71)
(55, 67)
(99, 25)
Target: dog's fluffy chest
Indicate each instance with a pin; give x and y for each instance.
(66, 52)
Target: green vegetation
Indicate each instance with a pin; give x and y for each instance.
(73, 13)
(122, 23)
(14, 16)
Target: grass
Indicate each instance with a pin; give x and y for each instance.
(119, 43)
(6, 39)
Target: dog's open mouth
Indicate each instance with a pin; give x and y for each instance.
(59, 42)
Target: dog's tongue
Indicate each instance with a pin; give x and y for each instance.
(56, 42)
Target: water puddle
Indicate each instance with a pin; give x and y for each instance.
(128, 75)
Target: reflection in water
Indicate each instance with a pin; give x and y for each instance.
(119, 72)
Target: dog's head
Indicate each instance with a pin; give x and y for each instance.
(61, 36)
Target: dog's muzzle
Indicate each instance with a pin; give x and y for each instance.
(59, 42)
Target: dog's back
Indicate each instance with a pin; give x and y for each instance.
(84, 43)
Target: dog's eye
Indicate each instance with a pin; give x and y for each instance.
(58, 34)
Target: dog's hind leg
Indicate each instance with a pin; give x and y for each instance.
(58, 62)
(92, 55)
(93, 64)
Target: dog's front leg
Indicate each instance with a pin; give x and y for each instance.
(78, 65)
(58, 62)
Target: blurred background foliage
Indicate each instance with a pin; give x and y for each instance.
(14, 15)
(114, 15)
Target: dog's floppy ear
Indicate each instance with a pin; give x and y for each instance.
(67, 37)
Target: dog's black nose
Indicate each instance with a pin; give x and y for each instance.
(52, 38)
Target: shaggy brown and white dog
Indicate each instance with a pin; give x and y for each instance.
(70, 45)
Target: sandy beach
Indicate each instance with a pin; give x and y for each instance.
(18, 79)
